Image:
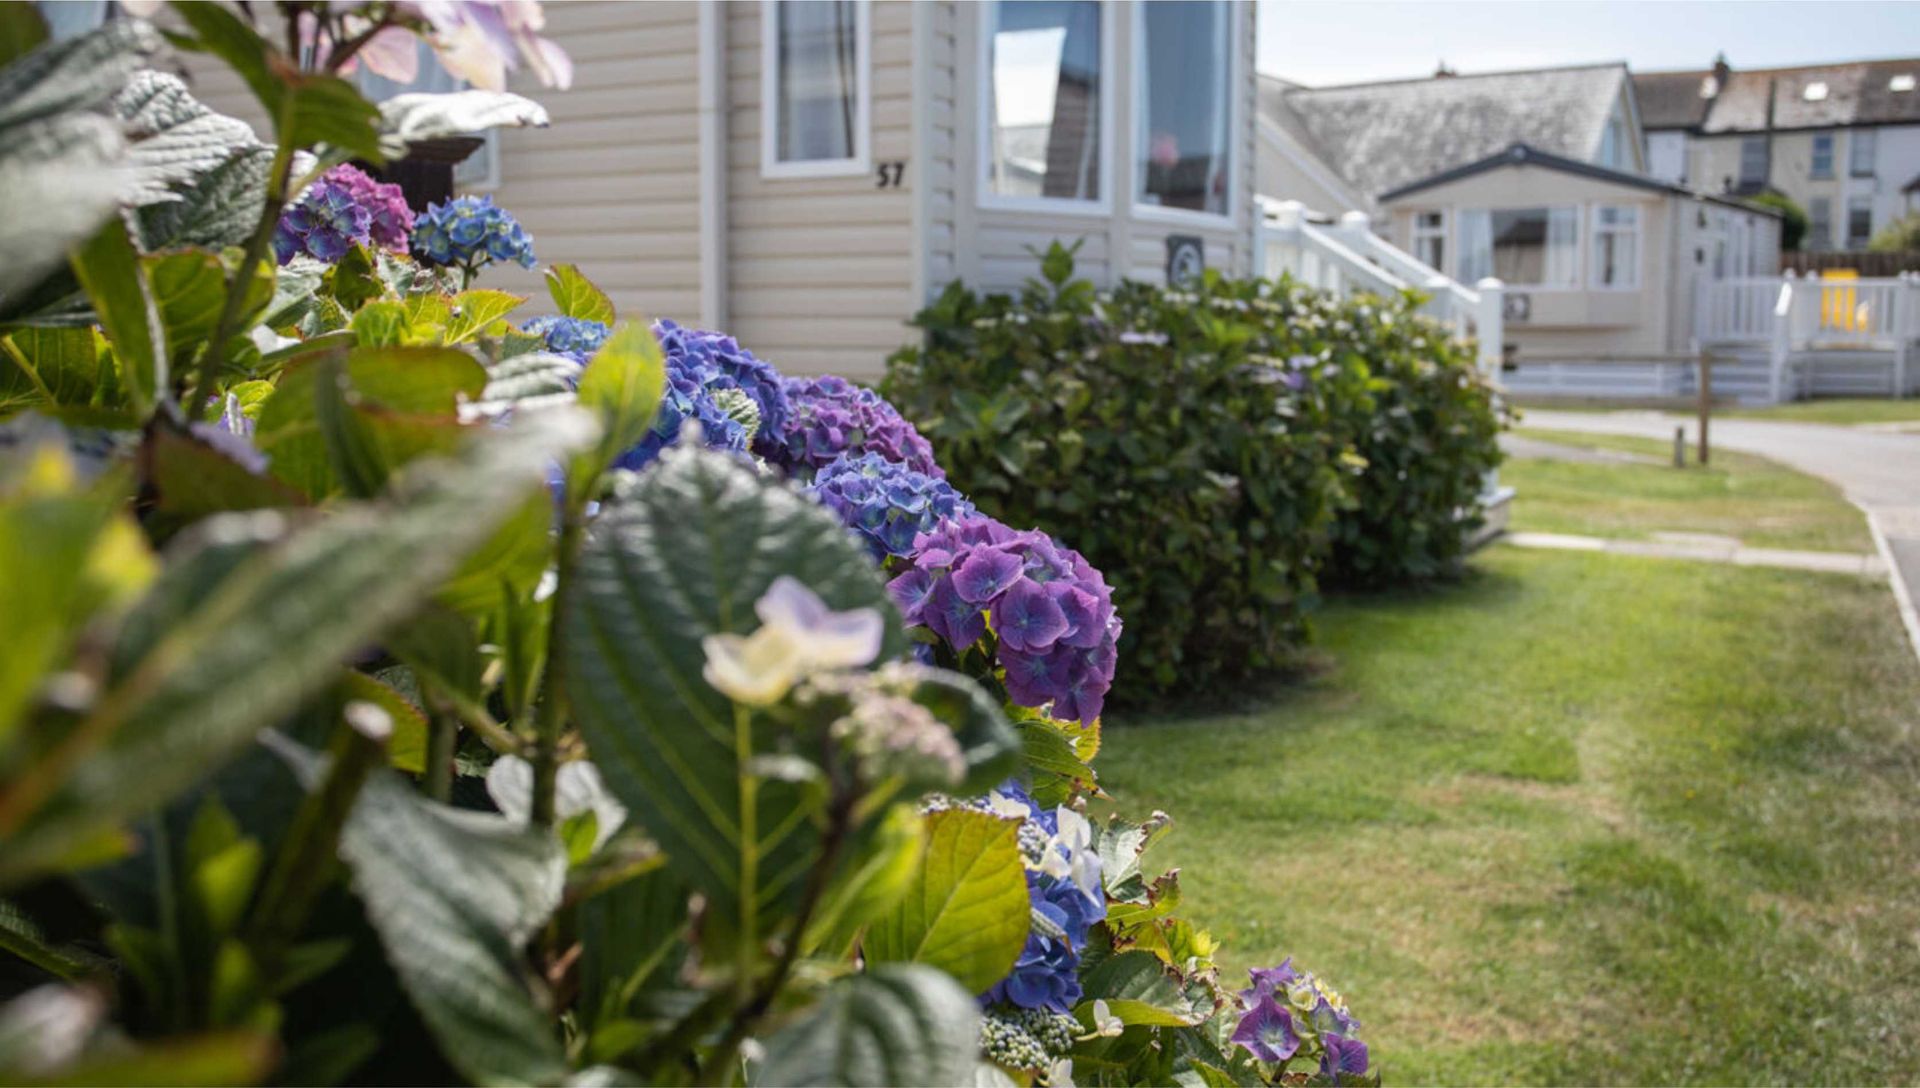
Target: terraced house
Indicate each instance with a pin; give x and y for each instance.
(1843, 140)
(807, 173)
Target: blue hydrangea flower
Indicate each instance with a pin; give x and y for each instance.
(887, 503)
(1342, 1057)
(574, 337)
(469, 233)
(732, 366)
(1047, 974)
(688, 397)
(1051, 613)
(1267, 1031)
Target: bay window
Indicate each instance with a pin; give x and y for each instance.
(1045, 102)
(1523, 247)
(1183, 135)
(1616, 246)
(815, 93)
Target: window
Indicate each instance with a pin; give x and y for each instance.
(1044, 105)
(1753, 160)
(814, 88)
(1822, 155)
(1184, 133)
(1430, 239)
(1859, 221)
(1819, 224)
(1860, 148)
(480, 170)
(1523, 247)
(1616, 246)
(1614, 146)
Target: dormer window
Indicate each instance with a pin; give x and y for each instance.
(1814, 92)
(1901, 83)
(1709, 87)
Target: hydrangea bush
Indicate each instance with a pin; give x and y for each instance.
(443, 712)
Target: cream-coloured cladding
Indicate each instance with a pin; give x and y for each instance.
(613, 184)
(820, 270)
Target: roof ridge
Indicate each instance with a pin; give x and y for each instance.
(1454, 78)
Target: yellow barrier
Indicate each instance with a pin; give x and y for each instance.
(1839, 306)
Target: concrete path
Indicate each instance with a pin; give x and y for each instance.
(1878, 471)
(1708, 550)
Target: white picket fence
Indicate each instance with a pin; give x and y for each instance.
(1347, 256)
(1820, 336)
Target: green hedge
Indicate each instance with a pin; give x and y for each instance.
(1216, 451)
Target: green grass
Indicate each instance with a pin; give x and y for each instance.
(1762, 503)
(1843, 410)
(1577, 819)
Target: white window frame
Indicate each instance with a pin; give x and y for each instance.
(1814, 173)
(1856, 202)
(1867, 139)
(1156, 213)
(1420, 233)
(1592, 245)
(861, 162)
(1580, 245)
(985, 197)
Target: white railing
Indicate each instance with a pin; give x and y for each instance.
(1348, 256)
(1736, 311)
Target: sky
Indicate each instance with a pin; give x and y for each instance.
(1321, 42)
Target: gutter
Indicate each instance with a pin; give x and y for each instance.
(713, 164)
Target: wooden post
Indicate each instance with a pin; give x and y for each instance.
(1679, 447)
(1706, 400)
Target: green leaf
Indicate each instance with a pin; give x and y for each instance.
(622, 385)
(626, 933)
(696, 542)
(454, 896)
(381, 324)
(525, 381)
(407, 747)
(1138, 989)
(21, 29)
(967, 911)
(71, 169)
(475, 310)
(227, 642)
(61, 368)
(576, 296)
(1121, 845)
(78, 73)
(896, 1024)
(176, 144)
(115, 282)
(510, 564)
(1058, 770)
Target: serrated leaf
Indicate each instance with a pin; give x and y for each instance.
(407, 747)
(176, 140)
(71, 170)
(454, 896)
(222, 647)
(698, 540)
(77, 73)
(406, 118)
(967, 911)
(528, 380)
(622, 385)
(116, 283)
(474, 310)
(1138, 989)
(1058, 771)
(1121, 844)
(896, 1024)
(576, 296)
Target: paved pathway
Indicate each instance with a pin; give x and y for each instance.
(1709, 550)
(1877, 470)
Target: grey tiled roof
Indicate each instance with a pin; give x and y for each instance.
(1380, 136)
(1857, 93)
(1671, 99)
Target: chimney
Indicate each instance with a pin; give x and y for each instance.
(1721, 71)
(1444, 72)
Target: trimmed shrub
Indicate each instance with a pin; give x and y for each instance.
(1216, 451)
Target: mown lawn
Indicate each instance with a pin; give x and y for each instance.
(1762, 503)
(1576, 819)
(1842, 410)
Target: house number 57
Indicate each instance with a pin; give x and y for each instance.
(890, 174)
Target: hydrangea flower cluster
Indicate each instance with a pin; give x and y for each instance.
(1064, 887)
(1286, 1009)
(1049, 610)
(1030, 1040)
(469, 232)
(577, 338)
(732, 366)
(390, 221)
(831, 416)
(324, 223)
(885, 502)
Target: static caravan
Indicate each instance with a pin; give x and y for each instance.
(806, 173)
(1599, 265)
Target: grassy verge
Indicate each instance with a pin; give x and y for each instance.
(1578, 819)
(1739, 495)
(1843, 410)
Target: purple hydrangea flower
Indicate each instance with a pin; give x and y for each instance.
(830, 416)
(470, 232)
(886, 503)
(1267, 1031)
(324, 223)
(1342, 1057)
(1049, 610)
(577, 338)
(734, 366)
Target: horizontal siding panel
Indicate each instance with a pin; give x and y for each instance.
(875, 336)
(602, 48)
(798, 238)
(628, 159)
(646, 245)
(649, 186)
(856, 208)
(608, 220)
(865, 273)
(671, 126)
(844, 299)
(864, 365)
(566, 18)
